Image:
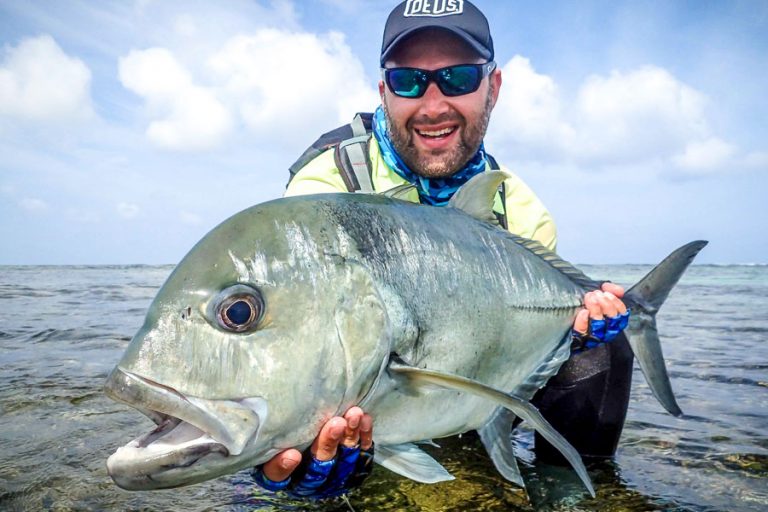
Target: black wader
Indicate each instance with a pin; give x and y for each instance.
(587, 401)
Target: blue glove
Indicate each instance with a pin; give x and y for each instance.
(599, 332)
(323, 479)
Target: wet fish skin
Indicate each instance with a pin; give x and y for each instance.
(347, 281)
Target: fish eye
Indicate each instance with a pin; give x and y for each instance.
(239, 308)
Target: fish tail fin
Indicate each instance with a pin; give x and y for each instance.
(645, 298)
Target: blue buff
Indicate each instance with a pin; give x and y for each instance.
(599, 332)
(433, 191)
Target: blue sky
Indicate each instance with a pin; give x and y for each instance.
(128, 129)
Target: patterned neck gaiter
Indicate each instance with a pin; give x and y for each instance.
(433, 191)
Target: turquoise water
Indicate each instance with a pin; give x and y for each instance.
(62, 329)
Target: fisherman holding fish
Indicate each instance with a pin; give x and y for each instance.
(439, 85)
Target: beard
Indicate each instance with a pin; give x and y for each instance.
(439, 164)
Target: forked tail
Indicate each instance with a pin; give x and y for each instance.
(645, 298)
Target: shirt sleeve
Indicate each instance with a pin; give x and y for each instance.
(526, 214)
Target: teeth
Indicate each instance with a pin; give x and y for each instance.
(436, 133)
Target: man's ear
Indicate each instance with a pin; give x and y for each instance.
(495, 83)
(381, 89)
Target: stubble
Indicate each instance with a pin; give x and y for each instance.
(440, 164)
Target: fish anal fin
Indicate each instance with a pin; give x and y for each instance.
(496, 437)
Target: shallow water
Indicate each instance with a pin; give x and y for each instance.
(62, 329)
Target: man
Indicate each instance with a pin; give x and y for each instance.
(439, 85)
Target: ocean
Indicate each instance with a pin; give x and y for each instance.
(63, 328)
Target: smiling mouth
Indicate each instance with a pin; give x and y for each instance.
(436, 134)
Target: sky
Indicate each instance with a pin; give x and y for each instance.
(130, 128)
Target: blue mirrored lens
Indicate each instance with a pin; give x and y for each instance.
(458, 80)
(410, 83)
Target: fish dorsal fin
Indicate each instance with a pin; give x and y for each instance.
(398, 192)
(574, 274)
(419, 377)
(476, 196)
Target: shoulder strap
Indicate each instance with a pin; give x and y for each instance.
(350, 145)
(502, 192)
(351, 156)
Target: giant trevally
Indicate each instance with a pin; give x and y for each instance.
(292, 311)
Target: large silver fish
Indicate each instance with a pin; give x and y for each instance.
(290, 312)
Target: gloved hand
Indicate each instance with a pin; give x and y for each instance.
(602, 319)
(340, 458)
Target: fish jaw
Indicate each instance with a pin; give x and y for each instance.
(195, 439)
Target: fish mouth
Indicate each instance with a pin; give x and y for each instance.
(193, 440)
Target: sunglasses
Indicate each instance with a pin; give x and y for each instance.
(451, 80)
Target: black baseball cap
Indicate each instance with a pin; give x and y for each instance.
(460, 17)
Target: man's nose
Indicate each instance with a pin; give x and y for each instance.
(434, 102)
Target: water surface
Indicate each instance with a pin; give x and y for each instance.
(62, 329)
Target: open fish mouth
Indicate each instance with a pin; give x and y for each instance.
(189, 429)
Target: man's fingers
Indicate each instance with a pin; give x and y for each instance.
(366, 432)
(613, 288)
(582, 322)
(592, 303)
(280, 467)
(352, 431)
(609, 304)
(327, 442)
(621, 308)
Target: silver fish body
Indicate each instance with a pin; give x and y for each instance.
(340, 286)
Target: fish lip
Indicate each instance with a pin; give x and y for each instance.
(162, 403)
(143, 465)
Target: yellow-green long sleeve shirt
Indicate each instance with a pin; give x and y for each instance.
(526, 215)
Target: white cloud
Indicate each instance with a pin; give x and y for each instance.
(191, 116)
(39, 82)
(643, 114)
(280, 81)
(705, 155)
(128, 210)
(33, 205)
(275, 82)
(528, 112)
(640, 117)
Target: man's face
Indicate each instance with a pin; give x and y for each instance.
(436, 135)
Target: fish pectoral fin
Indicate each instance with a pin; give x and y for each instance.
(476, 197)
(496, 437)
(523, 409)
(411, 462)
